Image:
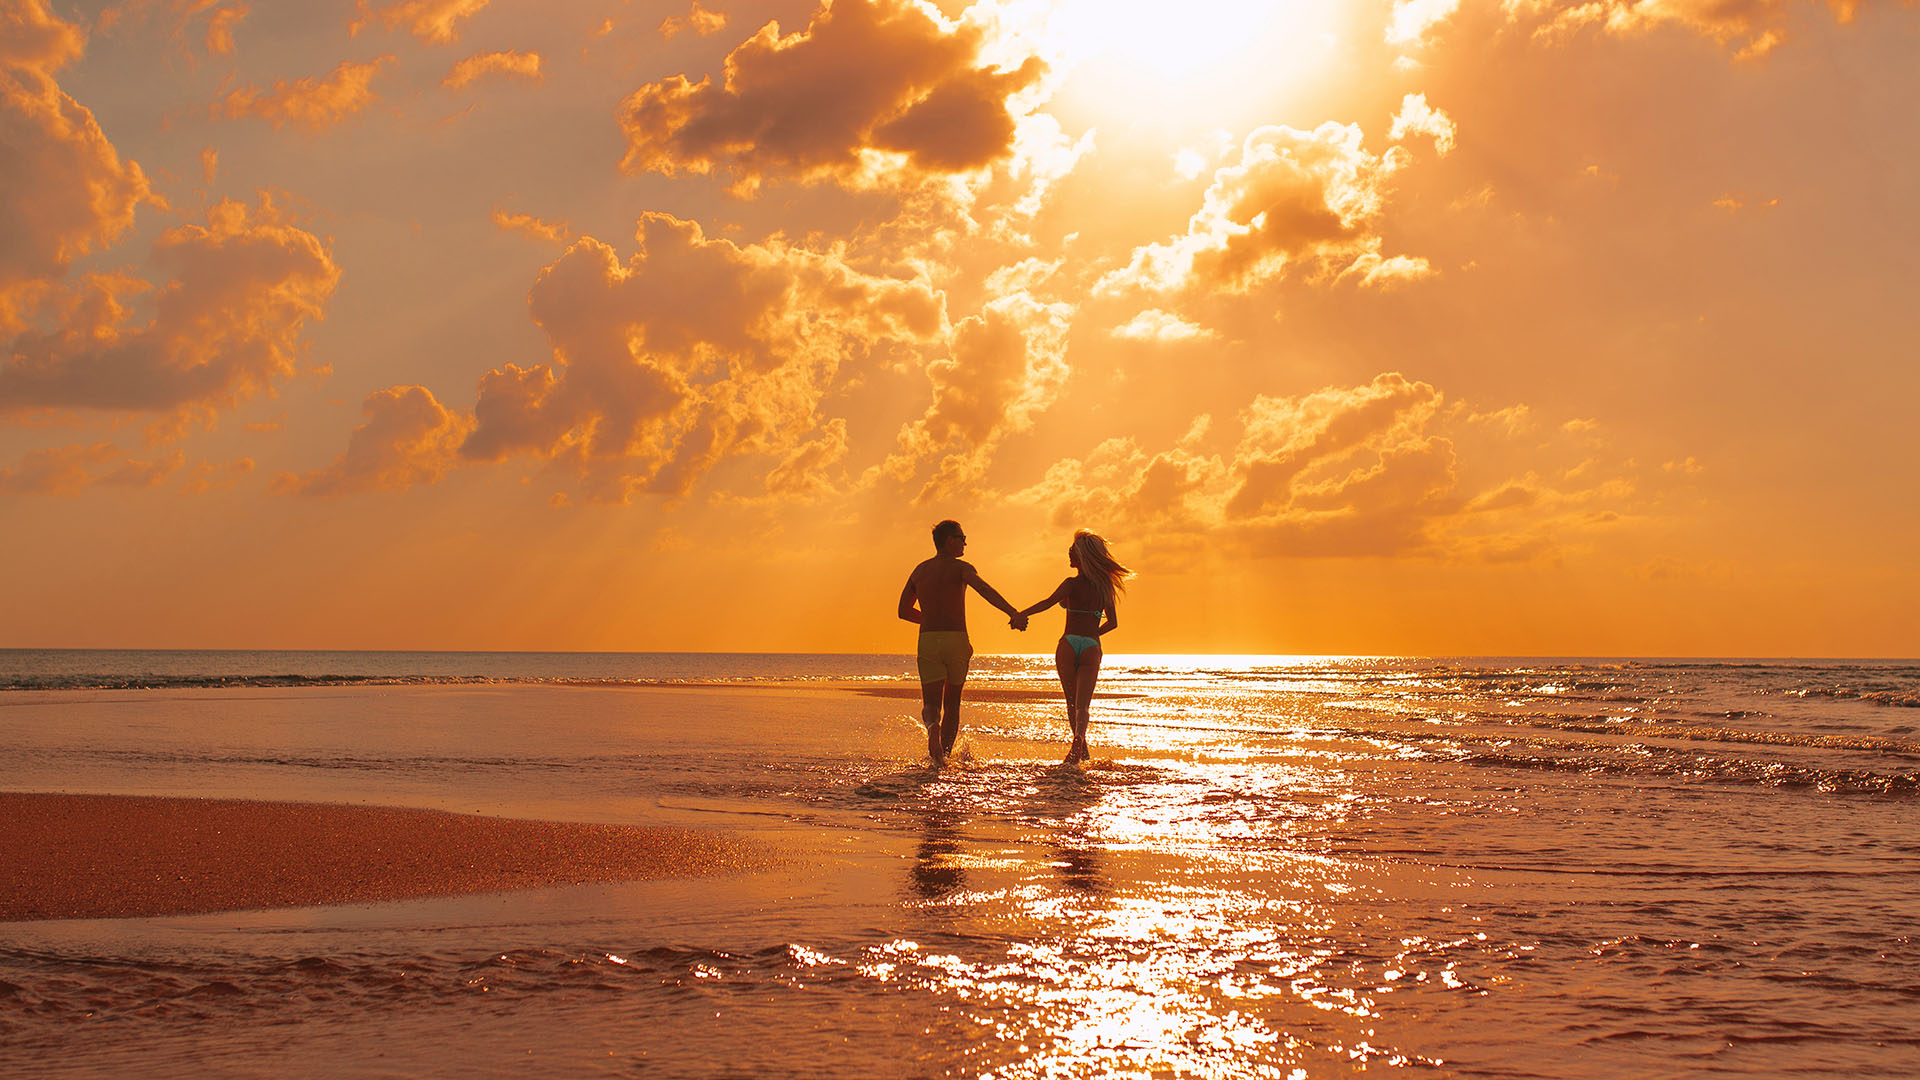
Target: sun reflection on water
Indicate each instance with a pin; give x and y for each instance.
(1177, 914)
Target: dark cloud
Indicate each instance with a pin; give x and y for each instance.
(864, 77)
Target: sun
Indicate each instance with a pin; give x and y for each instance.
(1162, 56)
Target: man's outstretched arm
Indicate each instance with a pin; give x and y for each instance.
(980, 586)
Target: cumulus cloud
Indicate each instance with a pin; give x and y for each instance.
(1416, 117)
(434, 21)
(1120, 486)
(1161, 326)
(407, 438)
(1752, 28)
(1360, 471)
(67, 191)
(691, 351)
(222, 328)
(68, 470)
(868, 88)
(1295, 197)
(524, 65)
(698, 19)
(1412, 20)
(1003, 367)
(310, 103)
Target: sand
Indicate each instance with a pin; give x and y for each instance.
(117, 856)
(973, 693)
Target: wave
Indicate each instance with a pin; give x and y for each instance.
(1689, 767)
(1896, 698)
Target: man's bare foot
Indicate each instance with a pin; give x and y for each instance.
(935, 751)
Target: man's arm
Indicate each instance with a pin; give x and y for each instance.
(973, 578)
(907, 597)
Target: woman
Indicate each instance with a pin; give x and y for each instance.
(1090, 599)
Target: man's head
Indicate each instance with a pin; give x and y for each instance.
(948, 539)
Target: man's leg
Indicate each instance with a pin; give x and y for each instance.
(950, 719)
(930, 695)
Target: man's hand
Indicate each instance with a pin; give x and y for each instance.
(1018, 622)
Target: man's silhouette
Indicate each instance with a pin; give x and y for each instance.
(939, 586)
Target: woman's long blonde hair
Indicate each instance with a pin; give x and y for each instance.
(1100, 567)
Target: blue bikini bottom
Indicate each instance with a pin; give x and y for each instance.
(1080, 644)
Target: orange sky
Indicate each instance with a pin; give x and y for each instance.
(1443, 326)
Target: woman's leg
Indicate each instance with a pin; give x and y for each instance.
(1064, 660)
(1086, 673)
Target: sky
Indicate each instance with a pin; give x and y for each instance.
(1436, 327)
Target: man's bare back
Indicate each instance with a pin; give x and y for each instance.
(940, 586)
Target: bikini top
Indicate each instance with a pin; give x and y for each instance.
(1077, 611)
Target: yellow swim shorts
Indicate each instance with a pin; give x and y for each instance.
(944, 655)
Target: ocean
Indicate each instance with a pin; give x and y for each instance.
(1278, 867)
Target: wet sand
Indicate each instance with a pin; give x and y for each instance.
(973, 693)
(117, 856)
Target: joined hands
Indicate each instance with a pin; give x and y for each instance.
(1018, 622)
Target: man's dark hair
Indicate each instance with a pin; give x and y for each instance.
(943, 530)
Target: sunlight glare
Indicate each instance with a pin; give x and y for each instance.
(1149, 55)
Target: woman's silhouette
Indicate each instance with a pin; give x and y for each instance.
(1090, 598)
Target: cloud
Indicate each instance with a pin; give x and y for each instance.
(699, 20)
(1003, 367)
(209, 476)
(429, 20)
(68, 470)
(67, 192)
(1417, 117)
(1752, 28)
(553, 232)
(1162, 326)
(1310, 198)
(868, 89)
(310, 103)
(803, 472)
(226, 324)
(480, 65)
(1413, 19)
(179, 16)
(1373, 470)
(408, 438)
(1119, 486)
(691, 351)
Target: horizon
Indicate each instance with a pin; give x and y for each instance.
(1400, 328)
(1117, 655)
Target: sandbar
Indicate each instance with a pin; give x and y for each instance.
(122, 856)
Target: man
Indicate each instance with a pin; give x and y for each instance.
(940, 587)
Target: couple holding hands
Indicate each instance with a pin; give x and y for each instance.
(936, 598)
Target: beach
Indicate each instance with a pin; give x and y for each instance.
(116, 857)
(725, 866)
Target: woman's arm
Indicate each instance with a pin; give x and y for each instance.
(1112, 621)
(1059, 594)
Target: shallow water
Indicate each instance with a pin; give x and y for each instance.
(1272, 868)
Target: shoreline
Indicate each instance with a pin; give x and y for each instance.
(135, 856)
